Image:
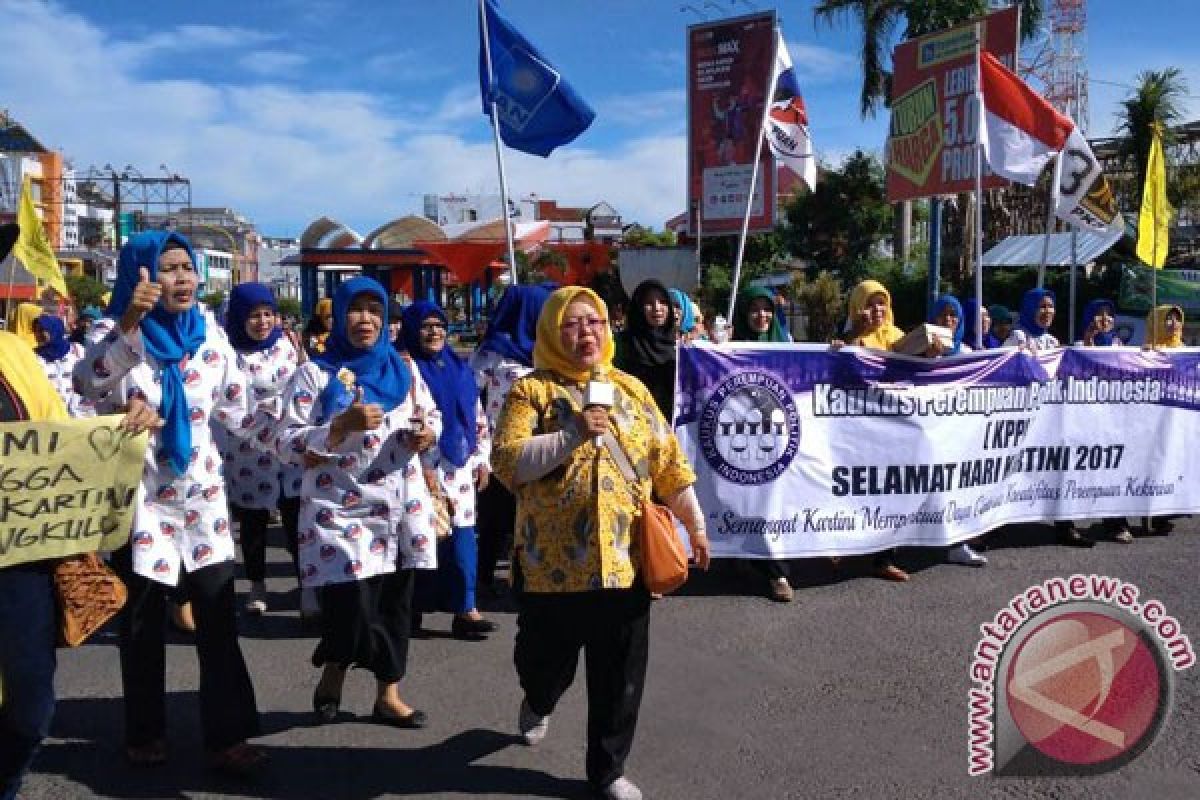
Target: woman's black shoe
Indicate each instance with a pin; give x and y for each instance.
(471, 630)
(326, 708)
(413, 719)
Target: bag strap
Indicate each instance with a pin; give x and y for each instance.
(611, 442)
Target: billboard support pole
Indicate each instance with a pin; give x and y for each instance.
(934, 277)
(508, 234)
(762, 127)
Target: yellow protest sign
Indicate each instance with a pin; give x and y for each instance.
(66, 487)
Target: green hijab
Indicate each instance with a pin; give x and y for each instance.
(741, 325)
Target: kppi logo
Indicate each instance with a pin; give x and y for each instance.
(750, 428)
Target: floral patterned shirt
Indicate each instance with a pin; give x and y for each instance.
(574, 526)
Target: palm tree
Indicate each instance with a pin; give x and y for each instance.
(878, 20)
(1157, 100)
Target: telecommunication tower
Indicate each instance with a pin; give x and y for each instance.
(1064, 72)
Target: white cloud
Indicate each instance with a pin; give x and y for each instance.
(284, 155)
(272, 62)
(644, 107)
(816, 64)
(185, 38)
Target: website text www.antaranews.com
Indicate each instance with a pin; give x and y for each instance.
(1034, 600)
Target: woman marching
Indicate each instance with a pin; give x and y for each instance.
(646, 349)
(58, 356)
(157, 346)
(255, 481)
(460, 461)
(576, 557)
(1164, 330)
(356, 420)
(504, 354)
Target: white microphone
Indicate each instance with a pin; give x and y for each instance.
(599, 392)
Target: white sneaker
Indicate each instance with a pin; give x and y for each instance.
(257, 604)
(622, 789)
(532, 726)
(963, 554)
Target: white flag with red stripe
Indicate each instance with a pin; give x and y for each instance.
(1021, 132)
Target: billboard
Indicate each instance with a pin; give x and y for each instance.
(729, 66)
(935, 112)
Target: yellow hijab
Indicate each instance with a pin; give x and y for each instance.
(887, 334)
(23, 372)
(23, 321)
(548, 351)
(1156, 327)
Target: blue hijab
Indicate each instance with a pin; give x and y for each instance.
(1089, 313)
(169, 338)
(244, 298)
(960, 329)
(1029, 308)
(513, 326)
(58, 346)
(450, 381)
(379, 371)
(687, 320)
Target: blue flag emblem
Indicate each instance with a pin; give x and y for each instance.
(536, 109)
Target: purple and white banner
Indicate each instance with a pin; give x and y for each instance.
(803, 451)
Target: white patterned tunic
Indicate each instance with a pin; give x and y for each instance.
(459, 482)
(367, 508)
(253, 478)
(495, 374)
(181, 520)
(59, 373)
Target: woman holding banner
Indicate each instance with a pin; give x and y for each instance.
(870, 323)
(157, 346)
(575, 560)
(356, 420)
(1033, 334)
(1164, 330)
(755, 320)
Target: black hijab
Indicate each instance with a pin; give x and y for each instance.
(646, 352)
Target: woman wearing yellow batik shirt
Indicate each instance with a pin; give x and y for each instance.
(575, 558)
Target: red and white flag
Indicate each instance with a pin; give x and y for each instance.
(1021, 132)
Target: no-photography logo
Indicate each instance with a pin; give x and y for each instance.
(750, 428)
(1073, 677)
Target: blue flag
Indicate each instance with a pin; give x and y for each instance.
(536, 109)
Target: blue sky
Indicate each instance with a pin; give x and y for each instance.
(290, 109)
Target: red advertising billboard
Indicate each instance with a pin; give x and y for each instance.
(729, 66)
(935, 112)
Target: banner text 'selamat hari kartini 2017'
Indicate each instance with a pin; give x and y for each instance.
(805, 451)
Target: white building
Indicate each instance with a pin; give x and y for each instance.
(458, 209)
(284, 279)
(215, 268)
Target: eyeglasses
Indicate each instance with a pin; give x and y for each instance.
(431, 327)
(596, 325)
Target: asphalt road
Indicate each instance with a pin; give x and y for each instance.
(857, 689)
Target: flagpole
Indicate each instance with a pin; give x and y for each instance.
(1154, 258)
(979, 190)
(508, 234)
(1074, 270)
(1052, 203)
(762, 127)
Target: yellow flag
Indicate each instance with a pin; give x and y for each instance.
(1154, 218)
(32, 249)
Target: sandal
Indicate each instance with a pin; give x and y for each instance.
(242, 760)
(151, 754)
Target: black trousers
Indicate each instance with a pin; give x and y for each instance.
(496, 514)
(367, 624)
(253, 523)
(612, 627)
(228, 712)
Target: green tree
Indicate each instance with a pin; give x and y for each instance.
(290, 307)
(842, 223)
(823, 301)
(639, 236)
(86, 291)
(1158, 99)
(213, 299)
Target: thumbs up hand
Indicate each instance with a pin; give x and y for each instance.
(145, 297)
(358, 417)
